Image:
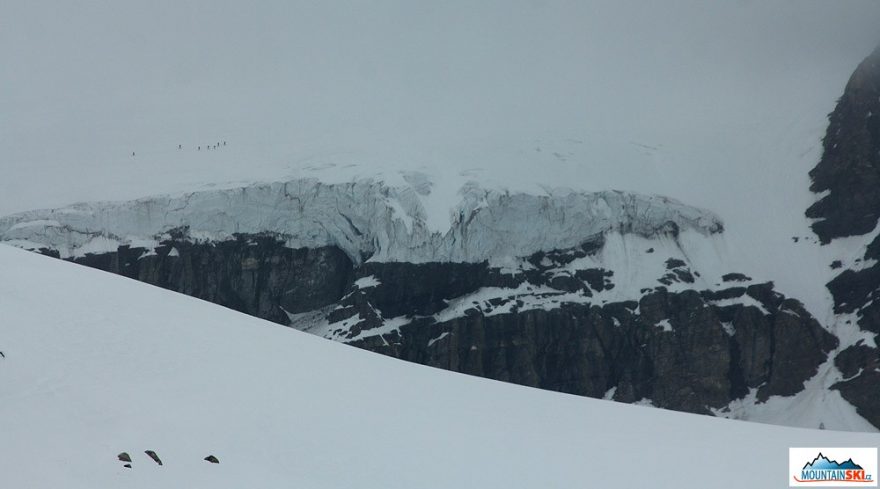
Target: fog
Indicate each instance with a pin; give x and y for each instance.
(84, 84)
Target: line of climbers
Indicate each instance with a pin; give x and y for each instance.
(217, 145)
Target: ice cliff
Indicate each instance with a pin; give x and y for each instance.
(367, 219)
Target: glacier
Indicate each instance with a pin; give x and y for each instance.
(367, 219)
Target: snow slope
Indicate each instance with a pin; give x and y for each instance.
(96, 364)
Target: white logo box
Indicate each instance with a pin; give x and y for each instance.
(865, 457)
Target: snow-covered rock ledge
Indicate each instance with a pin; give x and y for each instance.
(366, 219)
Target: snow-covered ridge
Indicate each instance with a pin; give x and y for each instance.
(365, 218)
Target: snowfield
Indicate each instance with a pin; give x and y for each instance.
(96, 365)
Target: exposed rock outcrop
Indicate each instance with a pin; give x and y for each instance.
(685, 350)
(254, 274)
(849, 177)
(152, 455)
(555, 319)
(849, 171)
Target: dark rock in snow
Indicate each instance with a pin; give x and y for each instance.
(124, 457)
(859, 365)
(153, 456)
(735, 277)
(254, 274)
(856, 358)
(849, 173)
(212, 459)
(586, 349)
(423, 288)
(861, 392)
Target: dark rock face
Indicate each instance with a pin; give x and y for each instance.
(850, 165)
(735, 277)
(860, 366)
(852, 360)
(254, 274)
(850, 173)
(687, 350)
(419, 289)
(858, 291)
(861, 392)
(543, 324)
(589, 350)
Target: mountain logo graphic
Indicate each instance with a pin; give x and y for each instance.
(822, 462)
(823, 469)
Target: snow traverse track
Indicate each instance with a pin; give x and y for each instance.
(96, 365)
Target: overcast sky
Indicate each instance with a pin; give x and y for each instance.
(82, 84)
(428, 69)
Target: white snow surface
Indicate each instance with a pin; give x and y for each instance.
(367, 282)
(115, 365)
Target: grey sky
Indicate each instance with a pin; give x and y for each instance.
(83, 84)
(420, 68)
